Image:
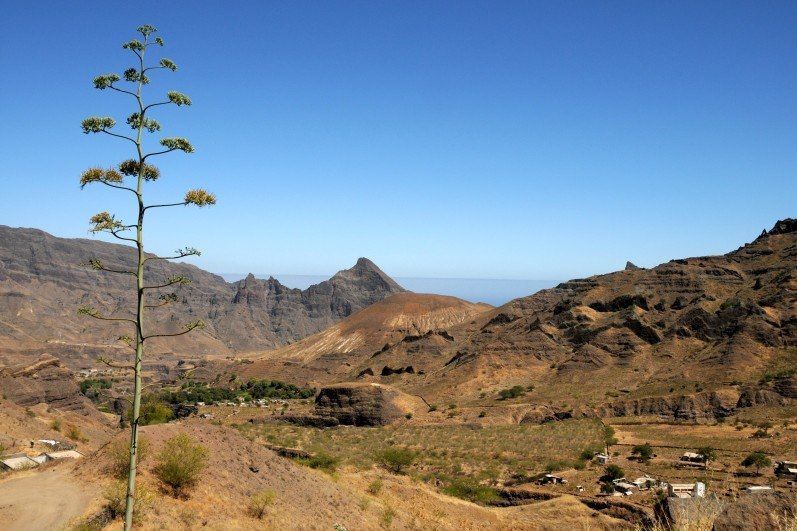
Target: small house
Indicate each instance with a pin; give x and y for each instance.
(645, 482)
(686, 490)
(601, 459)
(755, 489)
(17, 462)
(786, 468)
(552, 480)
(626, 488)
(691, 457)
(63, 454)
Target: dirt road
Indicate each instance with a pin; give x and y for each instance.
(45, 499)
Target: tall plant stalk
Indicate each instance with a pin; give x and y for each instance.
(141, 171)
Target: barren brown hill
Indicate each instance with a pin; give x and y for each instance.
(310, 499)
(43, 281)
(344, 350)
(688, 339)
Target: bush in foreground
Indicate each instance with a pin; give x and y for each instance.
(180, 463)
(115, 496)
(260, 502)
(396, 460)
(119, 453)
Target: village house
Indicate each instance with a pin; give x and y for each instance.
(686, 490)
(691, 457)
(17, 462)
(601, 459)
(645, 482)
(786, 469)
(755, 489)
(624, 487)
(551, 479)
(63, 454)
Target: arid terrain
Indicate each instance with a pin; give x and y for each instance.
(359, 405)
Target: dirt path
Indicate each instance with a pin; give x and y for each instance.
(45, 499)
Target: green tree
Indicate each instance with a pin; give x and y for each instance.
(643, 451)
(608, 437)
(707, 453)
(396, 459)
(130, 176)
(758, 460)
(613, 472)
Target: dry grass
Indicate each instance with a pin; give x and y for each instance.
(488, 453)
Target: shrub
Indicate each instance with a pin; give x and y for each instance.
(396, 459)
(468, 489)
(119, 452)
(74, 433)
(56, 424)
(375, 487)
(180, 462)
(555, 466)
(590, 451)
(260, 502)
(643, 451)
(153, 411)
(613, 472)
(322, 461)
(115, 496)
(387, 517)
(512, 392)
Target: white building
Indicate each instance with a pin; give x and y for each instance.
(17, 462)
(686, 490)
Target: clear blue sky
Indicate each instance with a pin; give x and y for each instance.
(543, 140)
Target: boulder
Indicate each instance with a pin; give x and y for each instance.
(366, 404)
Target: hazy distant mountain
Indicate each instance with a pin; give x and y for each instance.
(42, 284)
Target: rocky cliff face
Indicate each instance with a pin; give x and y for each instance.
(360, 404)
(43, 280)
(44, 380)
(684, 339)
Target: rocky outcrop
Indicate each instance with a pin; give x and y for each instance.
(365, 404)
(757, 512)
(697, 407)
(44, 381)
(786, 386)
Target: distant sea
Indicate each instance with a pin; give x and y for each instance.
(491, 291)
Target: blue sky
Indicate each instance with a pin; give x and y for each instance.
(528, 140)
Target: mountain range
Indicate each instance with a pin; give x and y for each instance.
(44, 280)
(688, 338)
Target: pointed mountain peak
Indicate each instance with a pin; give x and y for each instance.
(365, 269)
(364, 263)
